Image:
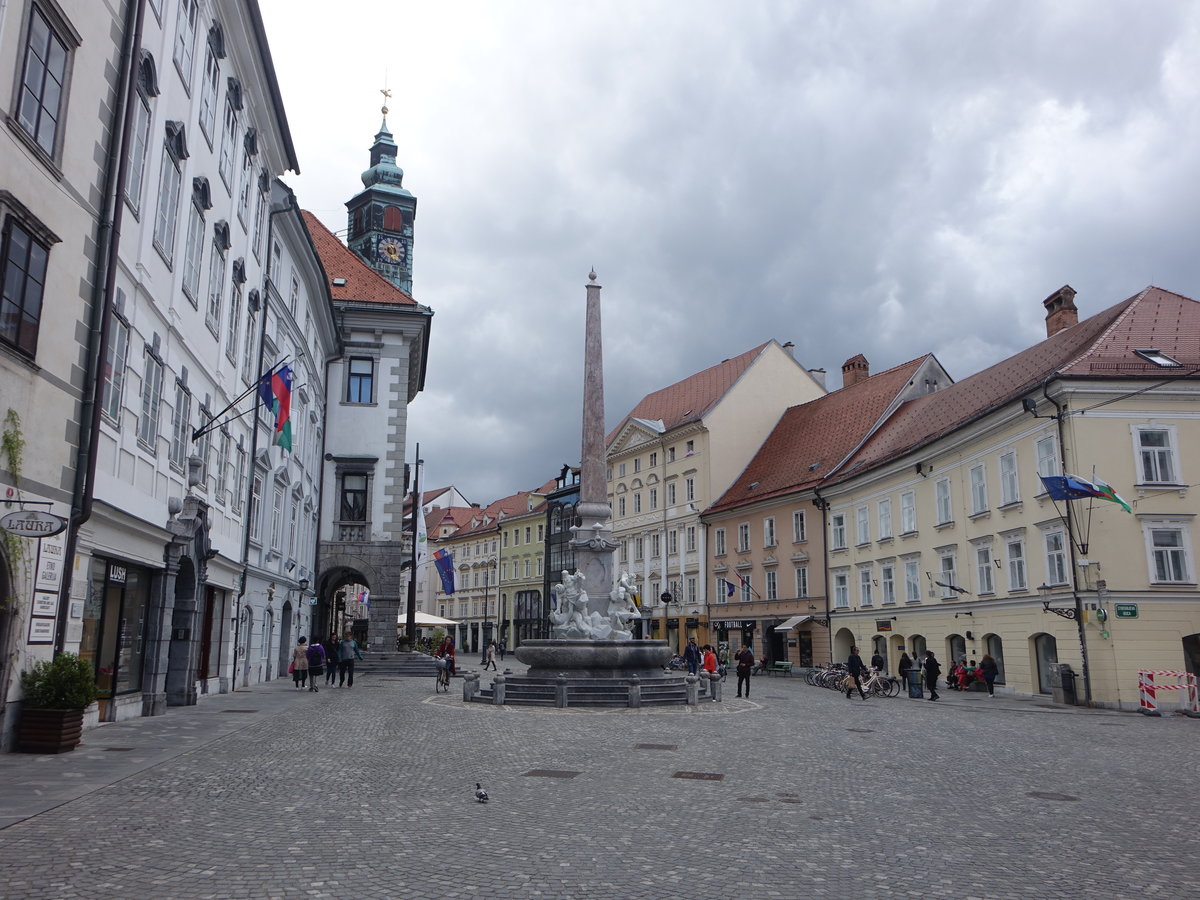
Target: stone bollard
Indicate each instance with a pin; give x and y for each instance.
(635, 692)
(692, 684)
(470, 686)
(498, 690)
(715, 687)
(560, 691)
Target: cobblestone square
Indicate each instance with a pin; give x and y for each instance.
(369, 793)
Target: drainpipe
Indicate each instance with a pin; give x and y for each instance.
(823, 505)
(108, 241)
(1060, 415)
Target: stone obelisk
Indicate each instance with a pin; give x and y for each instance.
(592, 540)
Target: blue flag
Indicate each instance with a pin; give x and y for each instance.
(444, 561)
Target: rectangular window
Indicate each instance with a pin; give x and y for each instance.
(1056, 557)
(360, 384)
(277, 518)
(653, 460)
(949, 573)
(772, 585)
(639, 548)
(1157, 458)
(671, 494)
(691, 590)
(865, 587)
(621, 506)
(354, 498)
(168, 205)
(690, 448)
(260, 221)
(193, 251)
(1015, 548)
(620, 470)
(908, 512)
(769, 531)
(747, 590)
(799, 527)
(152, 382)
(637, 465)
(979, 502)
(945, 514)
(983, 569)
(1169, 555)
(235, 320)
(256, 490)
(689, 489)
(655, 545)
(228, 156)
(637, 502)
(239, 484)
(245, 190)
(203, 448)
(185, 39)
(885, 519)
(719, 542)
(137, 153)
(208, 94)
(654, 498)
(801, 581)
(670, 454)
(1009, 490)
(912, 581)
(1047, 457)
(841, 590)
(673, 542)
(862, 526)
(44, 72)
(887, 582)
(691, 539)
(248, 348)
(180, 427)
(216, 288)
(223, 465)
(743, 533)
(114, 369)
(837, 530)
(23, 273)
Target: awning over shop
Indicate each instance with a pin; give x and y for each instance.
(424, 618)
(791, 623)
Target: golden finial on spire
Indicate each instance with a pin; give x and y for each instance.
(386, 95)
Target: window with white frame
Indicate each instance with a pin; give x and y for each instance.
(747, 590)
(147, 89)
(208, 93)
(293, 525)
(637, 502)
(799, 527)
(689, 489)
(802, 581)
(912, 581)
(277, 518)
(1009, 487)
(194, 248)
(260, 212)
(948, 567)
(1047, 456)
(887, 583)
(979, 500)
(216, 279)
(837, 531)
(227, 159)
(621, 505)
(620, 470)
(169, 182)
(945, 514)
(769, 531)
(743, 535)
(246, 185)
(908, 512)
(639, 548)
(671, 494)
(1155, 447)
(772, 584)
(689, 448)
(719, 542)
(673, 542)
(114, 367)
(256, 489)
(653, 460)
(235, 319)
(654, 498)
(152, 383)
(885, 519)
(1056, 556)
(983, 569)
(185, 38)
(249, 344)
(691, 539)
(841, 589)
(866, 587)
(239, 484)
(204, 447)
(691, 590)
(1014, 549)
(181, 430)
(655, 545)
(862, 526)
(1168, 546)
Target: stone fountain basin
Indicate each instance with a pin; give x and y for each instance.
(594, 659)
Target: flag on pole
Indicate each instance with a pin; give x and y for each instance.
(422, 539)
(364, 597)
(728, 587)
(444, 560)
(1072, 487)
(275, 391)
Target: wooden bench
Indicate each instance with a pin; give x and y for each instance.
(784, 668)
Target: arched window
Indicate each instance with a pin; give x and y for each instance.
(393, 219)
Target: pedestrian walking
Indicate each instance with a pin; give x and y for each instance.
(316, 664)
(745, 665)
(503, 649)
(877, 661)
(855, 667)
(691, 656)
(332, 654)
(489, 656)
(906, 665)
(347, 654)
(932, 671)
(300, 662)
(990, 671)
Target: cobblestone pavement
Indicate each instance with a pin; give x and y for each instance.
(368, 793)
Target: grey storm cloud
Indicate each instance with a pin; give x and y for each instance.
(890, 179)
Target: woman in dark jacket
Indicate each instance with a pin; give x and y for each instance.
(990, 670)
(905, 666)
(932, 671)
(332, 649)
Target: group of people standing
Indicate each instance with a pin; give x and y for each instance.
(987, 671)
(334, 658)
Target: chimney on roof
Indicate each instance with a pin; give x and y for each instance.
(818, 376)
(1061, 311)
(854, 370)
(790, 349)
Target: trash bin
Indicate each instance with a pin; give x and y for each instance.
(914, 683)
(1062, 684)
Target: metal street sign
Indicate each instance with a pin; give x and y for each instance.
(33, 523)
(1126, 610)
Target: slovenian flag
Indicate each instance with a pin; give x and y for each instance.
(1072, 487)
(444, 561)
(364, 597)
(275, 391)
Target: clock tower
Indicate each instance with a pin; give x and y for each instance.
(381, 216)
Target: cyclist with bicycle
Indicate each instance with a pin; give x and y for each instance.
(855, 668)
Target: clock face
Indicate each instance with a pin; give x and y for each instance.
(391, 250)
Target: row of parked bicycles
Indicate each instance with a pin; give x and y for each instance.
(837, 678)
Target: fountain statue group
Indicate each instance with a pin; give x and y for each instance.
(573, 622)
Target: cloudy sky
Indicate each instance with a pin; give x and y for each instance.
(875, 177)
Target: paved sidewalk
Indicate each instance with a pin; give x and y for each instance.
(794, 793)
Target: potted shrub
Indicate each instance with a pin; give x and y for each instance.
(55, 695)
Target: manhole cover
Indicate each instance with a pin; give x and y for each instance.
(655, 746)
(787, 795)
(862, 730)
(239, 710)
(1049, 795)
(550, 773)
(700, 776)
(789, 800)
(118, 749)
(753, 800)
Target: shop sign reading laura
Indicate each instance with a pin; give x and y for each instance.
(33, 523)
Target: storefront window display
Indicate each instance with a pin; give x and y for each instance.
(114, 623)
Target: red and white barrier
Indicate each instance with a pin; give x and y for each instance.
(1148, 688)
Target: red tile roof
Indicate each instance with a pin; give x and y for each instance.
(689, 400)
(363, 284)
(812, 438)
(1099, 346)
